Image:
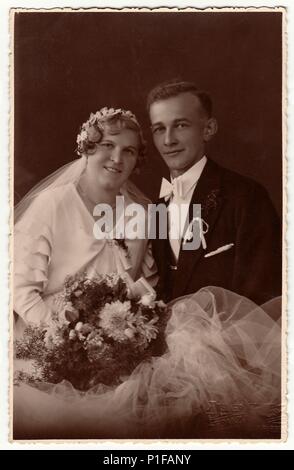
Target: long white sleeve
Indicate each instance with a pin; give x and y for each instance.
(32, 250)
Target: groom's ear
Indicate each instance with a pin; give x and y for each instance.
(210, 129)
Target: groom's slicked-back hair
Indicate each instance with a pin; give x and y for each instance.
(175, 87)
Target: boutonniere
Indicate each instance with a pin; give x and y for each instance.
(202, 229)
(211, 201)
(122, 244)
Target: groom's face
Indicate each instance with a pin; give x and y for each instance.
(178, 126)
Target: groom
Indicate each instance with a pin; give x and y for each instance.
(239, 231)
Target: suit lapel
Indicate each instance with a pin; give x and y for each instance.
(162, 243)
(208, 194)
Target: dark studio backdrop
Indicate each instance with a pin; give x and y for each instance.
(70, 64)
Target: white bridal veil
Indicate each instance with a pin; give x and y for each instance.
(71, 173)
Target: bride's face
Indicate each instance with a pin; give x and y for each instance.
(114, 159)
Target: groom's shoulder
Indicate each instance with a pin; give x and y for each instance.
(232, 182)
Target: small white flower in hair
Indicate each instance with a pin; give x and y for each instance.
(90, 129)
(104, 111)
(83, 135)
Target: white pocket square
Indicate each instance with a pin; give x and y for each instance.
(219, 250)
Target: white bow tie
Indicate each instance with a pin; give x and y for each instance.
(168, 189)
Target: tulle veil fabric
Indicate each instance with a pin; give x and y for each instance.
(223, 352)
(71, 173)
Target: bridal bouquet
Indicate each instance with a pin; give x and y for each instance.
(98, 335)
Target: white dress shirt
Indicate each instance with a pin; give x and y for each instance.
(183, 188)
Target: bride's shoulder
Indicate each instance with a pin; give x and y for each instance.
(51, 199)
(57, 194)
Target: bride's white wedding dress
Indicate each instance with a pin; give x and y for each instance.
(218, 377)
(54, 239)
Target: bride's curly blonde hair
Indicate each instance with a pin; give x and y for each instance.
(91, 131)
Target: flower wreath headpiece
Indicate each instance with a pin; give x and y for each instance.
(92, 130)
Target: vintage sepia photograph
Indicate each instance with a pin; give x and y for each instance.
(148, 256)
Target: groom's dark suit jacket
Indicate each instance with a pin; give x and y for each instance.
(237, 210)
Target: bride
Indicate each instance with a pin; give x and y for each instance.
(223, 352)
(53, 235)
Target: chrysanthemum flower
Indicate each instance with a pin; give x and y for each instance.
(146, 330)
(115, 318)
